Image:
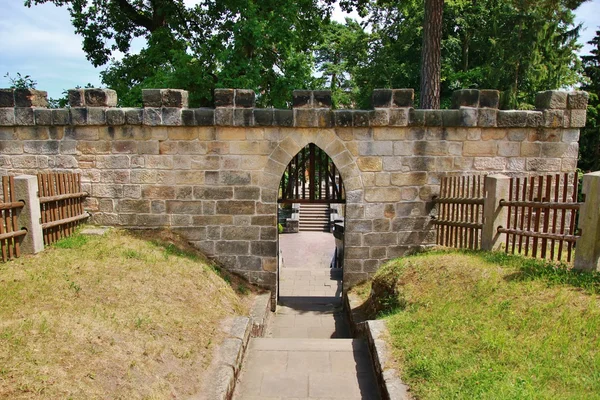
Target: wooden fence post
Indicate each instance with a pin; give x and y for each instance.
(587, 252)
(26, 190)
(496, 189)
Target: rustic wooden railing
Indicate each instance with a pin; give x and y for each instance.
(61, 201)
(10, 234)
(542, 214)
(460, 211)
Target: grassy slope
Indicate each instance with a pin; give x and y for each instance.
(492, 326)
(112, 317)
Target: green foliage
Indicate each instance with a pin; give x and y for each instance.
(280, 228)
(589, 142)
(21, 82)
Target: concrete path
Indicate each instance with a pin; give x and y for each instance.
(298, 358)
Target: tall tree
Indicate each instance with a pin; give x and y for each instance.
(589, 142)
(265, 45)
(431, 54)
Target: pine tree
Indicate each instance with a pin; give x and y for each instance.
(589, 142)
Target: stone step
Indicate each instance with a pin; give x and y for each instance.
(296, 344)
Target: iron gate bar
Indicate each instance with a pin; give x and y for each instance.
(306, 174)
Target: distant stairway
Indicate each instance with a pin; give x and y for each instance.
(314, 217)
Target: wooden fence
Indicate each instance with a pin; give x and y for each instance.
(10, 232)
(460, 211)
(61, 201)
(542, 216)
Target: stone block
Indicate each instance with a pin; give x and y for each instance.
(236, 207)
(465, 98)
(487, 117)
(240, 232)
(554, 118)
(489, 98)
(417, 117)
(381, 98)
(134, 116)
(243, 117)
(551, 99)
(171, 116)
(383, 194)
(302, 99)
(96, 116)
(204, 116)
(324, 118)
(30, 98)
(451, 117)
(99, 97)
(577, 118)
(543, 164)
(534, 119)
(489, 163)
(433, 118)
(403, 98)
(76, 98)
(284, 118)
(244, 98)
(373, 164)
(7, 98)
(61, 117)
(361, 118)
(115, 116)
(224, 97)
(577, 100)
(78, 115)
(152, 116)
(188, 117)
(263, 117)
(321, 98)
(264, 248)
(232, 247)
(511, 119)
(469, 116)
(42, 116)
(24, 116)
(381, 117)
(224, 116)
(343, 118)
(175, 98)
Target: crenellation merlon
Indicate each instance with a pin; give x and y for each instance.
(310, 108)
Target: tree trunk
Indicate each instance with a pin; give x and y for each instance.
(431, 63)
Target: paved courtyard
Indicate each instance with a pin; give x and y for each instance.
(307, 352)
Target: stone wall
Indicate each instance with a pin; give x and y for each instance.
(213, 174)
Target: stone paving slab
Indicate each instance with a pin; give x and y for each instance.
(307, 369)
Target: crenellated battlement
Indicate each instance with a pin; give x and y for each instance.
(310, 108)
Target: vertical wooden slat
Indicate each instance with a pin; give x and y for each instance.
(546, 224)
(3, 243)
(554, 214)
(538, 214)
(523, 215)
(515, 210)
(472, 216)
(7, 220)
(508, 214)
(15, 227)
(563, 217)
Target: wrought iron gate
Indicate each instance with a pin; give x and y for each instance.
(311, 177)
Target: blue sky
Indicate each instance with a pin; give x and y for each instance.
(40, 41)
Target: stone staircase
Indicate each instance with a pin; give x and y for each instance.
(314, 217)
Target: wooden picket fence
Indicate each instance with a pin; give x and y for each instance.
(61, 201)
(460, 211)
(10, 234)
(542, 216)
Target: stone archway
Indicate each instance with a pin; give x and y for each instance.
(291, 143)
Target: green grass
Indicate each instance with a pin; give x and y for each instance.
(476, 325)
(122, 316)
